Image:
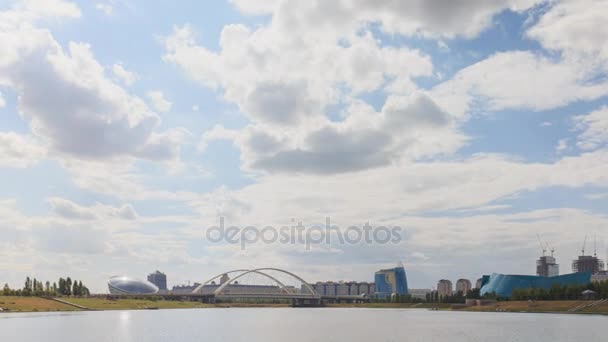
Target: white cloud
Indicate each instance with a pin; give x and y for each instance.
(594, 129)
(19, 151)
(158, 101)
(2, 101)
(562, 145)
(54, 8)
(575, 28)
(274, 80)
(408, 127)
(414, 17)
(66, 98)
(124, 75)
(255, 7)
(195, 108)
(519, 80)
(105, 8)
(72, 211)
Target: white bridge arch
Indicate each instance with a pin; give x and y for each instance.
(260, 271)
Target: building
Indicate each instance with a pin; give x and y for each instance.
(184, 289)
(587, 263)
(547, 267)
(444, 287)
(478, 283)
(123, 285)
(600, 276)
(391, 281)
(463, 286)
(159, 279)
(419, 293)
(351, 288)
(342, 289)
(504, 284)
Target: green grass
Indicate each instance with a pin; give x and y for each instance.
(32, 304)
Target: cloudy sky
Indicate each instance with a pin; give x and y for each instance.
(128, 127)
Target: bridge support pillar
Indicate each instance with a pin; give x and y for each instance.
(306, 302)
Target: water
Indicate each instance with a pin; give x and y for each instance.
(295, 325)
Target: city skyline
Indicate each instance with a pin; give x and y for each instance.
(129, 127)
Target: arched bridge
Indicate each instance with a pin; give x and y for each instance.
(229, 285)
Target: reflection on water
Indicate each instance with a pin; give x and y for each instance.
(295, 325)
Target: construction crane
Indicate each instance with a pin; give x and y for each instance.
(551, 249)
(584, 243)
(595, 245)
(542, 247)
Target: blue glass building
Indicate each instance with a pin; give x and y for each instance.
(504, 284)
(389, 281)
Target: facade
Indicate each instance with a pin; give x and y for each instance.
(331, 288)
(391, 281)
(159, 279)
(547, 267)
(444, 287)
(342, 289)
(600, 276)
(419, 293)
(504, 284)
(184, 289)
(463, 286)
(587, 263)
(122, 285)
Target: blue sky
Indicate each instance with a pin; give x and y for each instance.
(129, 127)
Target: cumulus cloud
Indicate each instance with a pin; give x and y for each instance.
(19, 151)
(127, 77)
(593, 128)
(414, 17)
(407, 127)
(158, 101)
(519, 80)
(67, 99)
(72, 211)
(279, 81)
(575, 28)
(106, 8)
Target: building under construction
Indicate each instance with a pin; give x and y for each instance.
(588, 263)
(546, 265)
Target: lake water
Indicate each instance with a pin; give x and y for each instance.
(295, 325)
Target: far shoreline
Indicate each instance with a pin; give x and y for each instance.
(11, 304)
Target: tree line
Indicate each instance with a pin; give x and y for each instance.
(557, 292)
(37, 288)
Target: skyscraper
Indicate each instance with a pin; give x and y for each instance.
(444, 287)
(159, 279)
(391, 281)
(463, 286)
(546, 267)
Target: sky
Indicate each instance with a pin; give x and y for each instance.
(128, 128)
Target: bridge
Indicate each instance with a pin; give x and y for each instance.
(281, 285)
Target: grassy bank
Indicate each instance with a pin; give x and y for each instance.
(31, 304)
(541, 306)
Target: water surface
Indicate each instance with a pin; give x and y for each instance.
(302, 324)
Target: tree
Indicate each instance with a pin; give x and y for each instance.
(68, 287)
(27, 287)
(6, 290)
